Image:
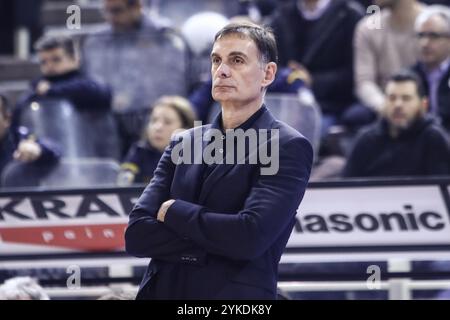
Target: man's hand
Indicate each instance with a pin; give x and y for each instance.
(300, 72)
(42, 87)
(163, 210)
(27, 151)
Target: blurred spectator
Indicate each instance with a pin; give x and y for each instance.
(315, 38)
(141, 57)
(22, 288)
(26, 149)
(433, 33)
(61, 78)
(169, 114)
(406, 142)
(384, 44)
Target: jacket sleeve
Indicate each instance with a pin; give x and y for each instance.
(147, 237)
(51, 151)
(269, 209)
(83, 92)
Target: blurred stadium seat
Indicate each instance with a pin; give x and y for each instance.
(76, 173)
(84, 172)
(79, 133)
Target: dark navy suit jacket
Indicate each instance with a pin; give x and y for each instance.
(224, 235)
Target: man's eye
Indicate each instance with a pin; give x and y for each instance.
(238, 60)
(215, 60)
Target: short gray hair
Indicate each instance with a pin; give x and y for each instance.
(262, 36)
(433, 10)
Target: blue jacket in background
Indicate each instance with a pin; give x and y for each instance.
(141, 160)
(81, 90)
(50, 153)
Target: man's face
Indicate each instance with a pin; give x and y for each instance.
(119, 14)
(403, 104)
(56, 61)
(237, 73)
(434, 41)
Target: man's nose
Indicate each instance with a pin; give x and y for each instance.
(158, 125)
(223, 71)
(398, 104)
(424, 42)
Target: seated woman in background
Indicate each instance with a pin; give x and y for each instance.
(169, 114)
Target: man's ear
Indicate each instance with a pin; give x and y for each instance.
(269, 74)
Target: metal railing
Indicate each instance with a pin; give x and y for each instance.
(398, 289)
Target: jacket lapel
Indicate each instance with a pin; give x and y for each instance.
(194, 174)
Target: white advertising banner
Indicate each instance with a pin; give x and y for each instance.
(372, 216)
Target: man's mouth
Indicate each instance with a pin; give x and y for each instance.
(398, 116)
(222, 84)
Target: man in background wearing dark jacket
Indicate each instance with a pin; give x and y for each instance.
(433, 34)
(406, 142)
(315, 37)
(141, 57)
(62, 79)
(26, 149)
